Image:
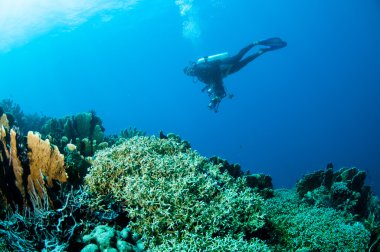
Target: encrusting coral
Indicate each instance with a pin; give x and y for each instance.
(172, 193)
(105, 238)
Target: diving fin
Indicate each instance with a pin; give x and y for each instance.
(273, 43)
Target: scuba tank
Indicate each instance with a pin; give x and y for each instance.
(211, 58)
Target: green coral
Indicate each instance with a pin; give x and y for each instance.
(85, 130)
(105, 238)
(195, 243)
(170, 192)
(131, 132)
(300, 226)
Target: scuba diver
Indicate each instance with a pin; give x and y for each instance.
(211, 70)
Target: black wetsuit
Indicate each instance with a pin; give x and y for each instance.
(212, 73)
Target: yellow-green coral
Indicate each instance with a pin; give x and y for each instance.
(171, 192)
(196, 243)
(311, 228)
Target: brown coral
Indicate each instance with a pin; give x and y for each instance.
(45, 161)
(4, 121)
(16, 163)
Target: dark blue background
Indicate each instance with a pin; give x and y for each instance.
(294, 110)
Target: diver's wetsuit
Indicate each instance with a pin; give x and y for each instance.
(212, 73)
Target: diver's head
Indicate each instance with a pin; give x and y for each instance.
(189, 70)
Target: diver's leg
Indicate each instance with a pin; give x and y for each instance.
(239, 65)
(235, 59)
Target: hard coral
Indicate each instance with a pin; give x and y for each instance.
(344, 189)
(170, 192)
(196, 243)
(85, 130)
(299, 226)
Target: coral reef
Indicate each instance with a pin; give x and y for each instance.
(28, 168)
(105, 238)
(136, 193)
(195, 243)
(76, 164)
(300, 227)
(170, 192)
(261, 183)
(84, 130)
(13, 111)
(343, 190)
(46, 163)
(131, 132)
(25, 122)
(45, 229)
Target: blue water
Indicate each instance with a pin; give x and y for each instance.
(295, 110)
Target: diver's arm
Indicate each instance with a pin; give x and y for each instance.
(207, 73)
(219, 89)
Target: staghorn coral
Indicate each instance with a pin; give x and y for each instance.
(170, 192)
(298, 226)
(195, 243)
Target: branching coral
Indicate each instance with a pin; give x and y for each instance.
(43, 229)
(195, 243)
(299, 226)
(171, 192)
